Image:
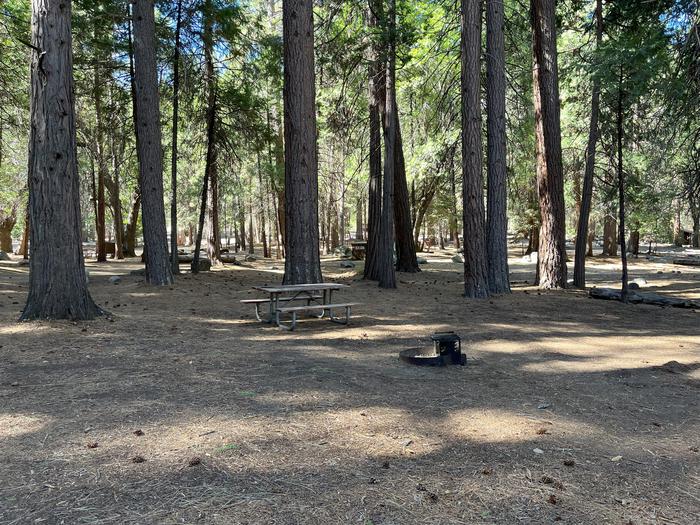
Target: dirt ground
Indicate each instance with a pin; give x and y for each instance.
(181, 408)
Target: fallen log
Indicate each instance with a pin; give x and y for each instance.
(651, 298)
(687, 262)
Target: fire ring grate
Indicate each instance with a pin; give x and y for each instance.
(447, 350)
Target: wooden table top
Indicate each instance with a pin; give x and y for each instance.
(282, 288)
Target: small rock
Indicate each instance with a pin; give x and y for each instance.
(92, 444)
(194, 461)
(407, 442)
(616, 459)
(115, 279)
(138, 459)
(347, 264)
(538, 451)
(4, 256)
(542, 406)
(633, 286)
(569, 462)
(458, 259)
(659, 272)
(640, 281)
(138, 432)
(250, 258)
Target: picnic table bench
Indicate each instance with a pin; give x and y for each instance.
(318, 298)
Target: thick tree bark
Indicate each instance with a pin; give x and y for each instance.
(550, 177)
(405, 247)
(589, 173)
(149, 145)
(497, 198)
(174, 257)
(386, 272)
(57, 284)
(303, 262)
(475, 270)
(376, 95)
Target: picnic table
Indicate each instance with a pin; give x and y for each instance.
(318, 298)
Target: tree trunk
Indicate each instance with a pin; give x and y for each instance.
(251, 230)
(405, 248)
(610, 236)
(359, 226)
(678, 237)
(533, 240)
(550, 177)
(588, 176)
(132, 225)
(148, 138)
(621, 186)
(633, 244)
(213, 230)
(6, 224)
(57, 284)
(241, 224)
(263, 212)
(376, 94)
(497, 198)
(695, 214)
(24, 243)
(475, 270)
(174, 256)
(386, 271)
(101, 161)
(423, 206)
(303, 262)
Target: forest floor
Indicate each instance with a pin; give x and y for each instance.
(180, 408)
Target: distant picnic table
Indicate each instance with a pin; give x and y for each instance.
(318, 298)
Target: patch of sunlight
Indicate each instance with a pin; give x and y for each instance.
(503, 426)
(143, 294)
(12, 425)
(20, 328)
